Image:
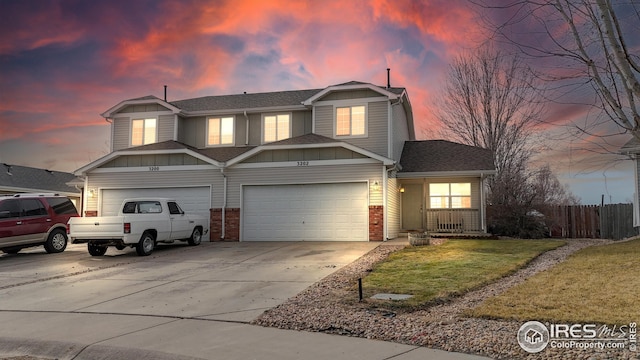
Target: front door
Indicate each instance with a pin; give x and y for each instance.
(412, 202)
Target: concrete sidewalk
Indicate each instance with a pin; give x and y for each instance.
(53, 335)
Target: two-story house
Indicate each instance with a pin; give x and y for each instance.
(339, 163)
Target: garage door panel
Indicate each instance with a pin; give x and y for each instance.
(310, 212)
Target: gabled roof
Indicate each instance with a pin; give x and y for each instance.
(16, 178)
(631, 147)
(391, 93)
(308, 141)
(441, 156)
(303, 139)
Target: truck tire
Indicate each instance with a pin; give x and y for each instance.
(146, 244)
(96, 250)
(196, 237)
(56, 241)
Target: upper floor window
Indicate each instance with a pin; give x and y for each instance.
(276, 127)
(350, 121)
(220, 131)
(450, 196)
(143, 131)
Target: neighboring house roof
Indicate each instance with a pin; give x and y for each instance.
(631, 147)
(441, 156)
(16, 178)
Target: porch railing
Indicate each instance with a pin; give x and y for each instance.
(453, 220)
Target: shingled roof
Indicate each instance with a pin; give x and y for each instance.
(244, 101)
(444, 156)
(16, 178)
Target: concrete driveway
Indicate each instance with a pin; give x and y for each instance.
(215, 281)
(180, 303)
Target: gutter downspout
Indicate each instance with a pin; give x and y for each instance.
(385, 183)
(224, 204)
(483, 204)
(246, 140)
(110, 121)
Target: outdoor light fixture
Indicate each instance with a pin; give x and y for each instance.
(401, 189)
(92, 193)
(376, 185)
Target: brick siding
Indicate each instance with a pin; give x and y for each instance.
(232, 224)
(376, 223)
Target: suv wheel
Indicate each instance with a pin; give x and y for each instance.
(56, 242)
(96, 250)
(146, 244)
(196, 237)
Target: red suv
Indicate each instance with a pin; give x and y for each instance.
(34, 219)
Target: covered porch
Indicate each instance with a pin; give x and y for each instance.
(443, 205)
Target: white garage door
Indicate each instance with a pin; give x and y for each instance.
(313, 212)
(196, 200)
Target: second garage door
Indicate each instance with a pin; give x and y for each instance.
(310, 212)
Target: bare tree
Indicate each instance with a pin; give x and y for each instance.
(548, 190)
(580, 42)
(490, 100)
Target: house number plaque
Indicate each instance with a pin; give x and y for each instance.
(154, 168)
(303, 163)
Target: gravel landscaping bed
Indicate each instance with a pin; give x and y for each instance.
(332, 306)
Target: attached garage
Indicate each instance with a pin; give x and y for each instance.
(305, 212)
(195, 200)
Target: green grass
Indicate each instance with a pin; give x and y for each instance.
(598, 284)
(435, 273)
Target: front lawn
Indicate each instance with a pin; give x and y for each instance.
(434, 273)
(597, 284)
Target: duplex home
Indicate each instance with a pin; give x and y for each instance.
(338, 163)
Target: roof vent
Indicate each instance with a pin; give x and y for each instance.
(165, 93)
(8, 169)
(388, 78)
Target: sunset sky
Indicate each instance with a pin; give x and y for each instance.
(62, 63)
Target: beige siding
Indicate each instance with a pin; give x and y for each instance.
(351, 94)
(393, 208)
(324, 120)
(377, 139)
(156, 179)
(303, 175)
(121, 133)
(377, 126)
(166, 127)
(301, 123)
(144, 108)
(400, 130)
(193, 131)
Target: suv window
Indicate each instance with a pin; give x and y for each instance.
(62, 205)
(32, 207)
(9, 209)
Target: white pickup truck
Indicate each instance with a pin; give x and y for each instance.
(141, 223)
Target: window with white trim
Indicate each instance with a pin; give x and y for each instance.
(276, 127)
(143, 131)
(450, 195)
(350, 121)
(220, 131)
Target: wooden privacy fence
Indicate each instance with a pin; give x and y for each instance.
(613, 221)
